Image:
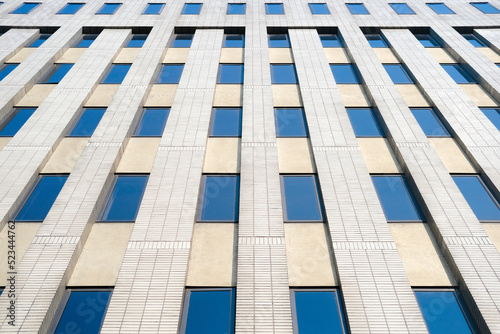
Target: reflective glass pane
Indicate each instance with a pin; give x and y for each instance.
(481, 201)
(86, 41)
(39, 41)
(330, 41)
(234, 41)
(398, 74)
(319, 8)
(17, 121)
(125, 199)
(290, 122)
(88, 122)
(344, 74)
(402, 8)
(283, 74)
(6, 69)
(274, 8)
(226, 122)
(364, 122)
(458, 73)
(474, 40)
(493, 115)
(109, 8)
(427, 41)
(429, 122)
(219, 200)
(357, 8)
(137, 41)
(182, 41)
(486, 7)
(116, 74)
(25, 8)
(153, 8)
(236, 8)
(152, 122)
(302, 202)
(56, 74)
(71, 8)
(278, 41)
(230, 74)
(440, 8)
(376, 41)
(192, 8)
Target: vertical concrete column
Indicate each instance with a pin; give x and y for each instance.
(13, 40)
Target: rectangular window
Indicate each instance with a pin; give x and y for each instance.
(300, 198)
(230, 74)
(86, 41)
(357, 9)
(364, 122)
(430, 122)
(290, 122)
(109, 8)
(398, 73)
(236, 8)
(234, 41)
(15, 120)
(5, 70)
(219, 199)
(39, 41)
(440, 8)
(274, 9)
(283, 74)
(137, 41)
(182, 41)
(25, 8)
(427, 41)
(376, 41)
(344, 74)
(226, 122)
(486, 7)
(458, 73)
(56, 74)
(152, 122)
(317, 311)
(71, 8)
(209, 311)
(116, 74)
(330, 41)
(82, 309)
(396, 198)
(480, 199)
(402, 8)
(124, 200)
(153, 9)
(319, 9)
(38, 203)
(476, 42)
(278, 41)
(493, 115)
(87, 123)
(191, 8)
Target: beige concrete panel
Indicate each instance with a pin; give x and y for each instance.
(336, 55)
(440, 55)
(127, 55)
(213, 254)
(36, 95)
(65, 156)
(353, 96)
(295, 156)
(490, 54)
(102, 95)
(422, 260)
(493, 231)
(231, 55)
(139, 155)
(176, 55)
(21, 56)
(161, 96)
(102, 255)
(72, 55)
(308, 255)
(385, 55)
(378, 156)
(286, 96)
(451, 155)
(222, 155)
(280, 55)
(228, 95)
(477, 94)
(4, 141)
(24, 234)
(412, 96)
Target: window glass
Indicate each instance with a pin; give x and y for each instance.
(5, 70)
(192, 8)
(219, 200)
(209, 311)
(493, 115)
(15, 121)
(39, 41)
(458, 73)
(364, 122)
(236, 8)
(230, 74)
(290, 122)
(427, 41)
(330, 41)
(430, 122)
(182, 41)
(109, 8)
(152, 122)
(278, 41)
(301, 198)
(86, 41)
(226, 122)
(283, 74)
(317, 312)
(137, 41)
(25, 8)
(87, 123)
(234, 41)
(319, 8)
(344, 73)
(397, 201)
(41, 198)
(153, 8)
(486, 7)
(376, 41)
(71, 8)
(274, 8)
(398, 74)
(56, 74)
(357, 8)
(440, 8)
(481, 201)
(402, 8)
(116, 74)
(125, 198)
(474, 40)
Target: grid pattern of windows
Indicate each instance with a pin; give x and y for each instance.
(230, 74)
(290, 122)
(219, 198)
(301, 200)
(283, 74)
(226, 122)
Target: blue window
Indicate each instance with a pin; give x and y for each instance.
(396, 199)
(219, 200)
(364, 122)
(234, 41)
(39, 41)
(283, 74)
(137, 41)
(83, 311)
(290, 122)
(1, 290)
(153, 8)
(357, 8)
(376, 41)
(109, 8)
(278, 41)
(124, 200)
(230, 74)
(116, 74)
(444, 312)
(236, 8)
(344, 74)
(474, 40)
(182, 41)
(25, 8)
(330, 41)
(226, 122)
(87, 123)
(56, 73)
(191, 8)
(5, 70)
(427, 41)
(458, 73)
(493, 115)
(86, 41)
(71, 8)
(40, 200)
(274, 8)
(402, 8)
(486, 7)
(300, 198)
(440, 8)
(209, 311)
(319, 8)
(152, 122)
(317, 311)
(398, 74)
(480, 199)
(15, 121)
(430, 122)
